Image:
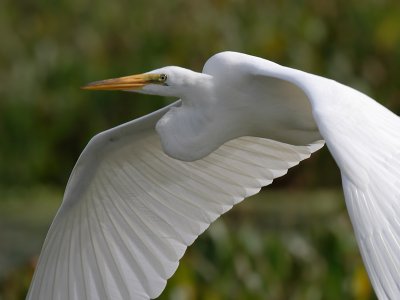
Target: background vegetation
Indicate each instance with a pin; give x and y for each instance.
(283, 245)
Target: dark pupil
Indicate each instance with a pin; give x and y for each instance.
(163, 77)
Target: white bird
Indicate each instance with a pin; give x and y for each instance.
(141, 192)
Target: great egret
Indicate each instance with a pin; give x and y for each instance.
(141, 192)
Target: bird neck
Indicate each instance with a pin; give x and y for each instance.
(195, 87)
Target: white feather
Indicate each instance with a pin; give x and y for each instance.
(130, 210)
(139, 209)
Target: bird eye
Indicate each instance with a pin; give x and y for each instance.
(163, 77)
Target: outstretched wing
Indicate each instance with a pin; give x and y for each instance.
(130, 211)
(364, 139)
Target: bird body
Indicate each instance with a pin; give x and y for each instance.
(224, 104)
(141, 192)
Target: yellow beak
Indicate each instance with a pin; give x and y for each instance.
(132, 82)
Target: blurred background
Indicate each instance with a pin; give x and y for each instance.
(293, 240)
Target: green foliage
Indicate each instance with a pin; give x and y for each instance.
(49, 49)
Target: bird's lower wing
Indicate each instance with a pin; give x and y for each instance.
(130, 211)
(364, 138)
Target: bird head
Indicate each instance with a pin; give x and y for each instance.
(166, 81)
(185, 131)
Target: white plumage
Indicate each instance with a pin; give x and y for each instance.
(142, 192)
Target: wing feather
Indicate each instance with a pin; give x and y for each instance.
(130, 211)
(364, 139)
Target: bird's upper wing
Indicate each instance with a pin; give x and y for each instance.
(130, 211)
(364, 139)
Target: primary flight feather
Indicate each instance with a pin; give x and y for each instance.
(141, 192)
